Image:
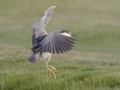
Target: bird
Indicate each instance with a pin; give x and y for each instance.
(45, 44)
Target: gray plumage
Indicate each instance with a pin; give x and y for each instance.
(45, 44)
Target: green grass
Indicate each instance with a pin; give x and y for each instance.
(76, 71)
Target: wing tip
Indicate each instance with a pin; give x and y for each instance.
(53, 6)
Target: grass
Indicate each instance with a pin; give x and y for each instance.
(92, 65)
(81, 71)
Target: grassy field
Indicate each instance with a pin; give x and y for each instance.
(93, 64)
(81, 71)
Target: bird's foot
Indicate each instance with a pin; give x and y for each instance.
(54, 69)
(51, 71)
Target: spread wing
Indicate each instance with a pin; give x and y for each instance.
(48, 14)
(38, 26)
(54, 43)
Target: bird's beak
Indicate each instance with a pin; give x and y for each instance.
(73, 35)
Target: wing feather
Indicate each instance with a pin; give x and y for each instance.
(69, 40)
(54, 43)
(62, 45)
(56, 48)
(66, 46)
(48, 14)
(39, 26)
(68, 43)
(59, 46)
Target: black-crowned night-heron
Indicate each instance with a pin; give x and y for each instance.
(44, 44)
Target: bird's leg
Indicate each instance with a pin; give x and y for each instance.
(55, 70)
(51, 71)
(47, 66)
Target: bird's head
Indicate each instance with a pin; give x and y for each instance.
(66, 33)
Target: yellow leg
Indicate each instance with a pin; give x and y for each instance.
(51, 71)
(55, 70)
(50, 68)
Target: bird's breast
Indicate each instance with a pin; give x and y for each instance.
(45, 55)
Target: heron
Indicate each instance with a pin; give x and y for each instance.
(45, 44)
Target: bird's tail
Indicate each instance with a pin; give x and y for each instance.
(33, 58)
